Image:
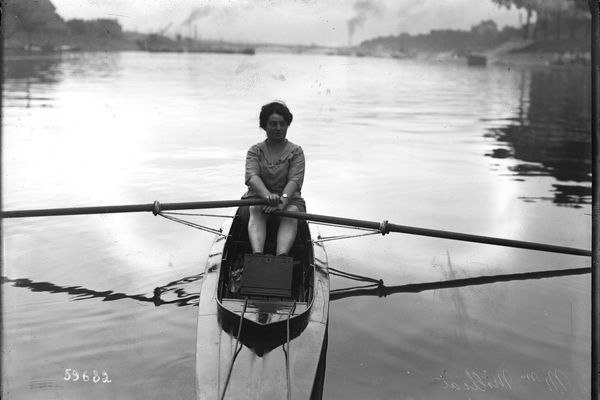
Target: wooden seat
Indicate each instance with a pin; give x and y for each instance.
(267, 275)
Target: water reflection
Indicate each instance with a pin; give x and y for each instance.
(35, 70)
(31, 81)
(23, 75)
(551, 135)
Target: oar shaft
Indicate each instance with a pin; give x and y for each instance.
(132, 208)
(488, 240)
(434, 233)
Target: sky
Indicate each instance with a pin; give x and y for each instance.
(323, 22)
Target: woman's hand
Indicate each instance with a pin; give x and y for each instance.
(274, 201)
(282, 203)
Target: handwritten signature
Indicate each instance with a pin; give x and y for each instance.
(475, 381)
(553, 380)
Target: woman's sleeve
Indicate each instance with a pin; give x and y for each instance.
(252, 166)
(297, 165)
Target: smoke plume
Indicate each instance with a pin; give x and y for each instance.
(198, 13)
(363, 10)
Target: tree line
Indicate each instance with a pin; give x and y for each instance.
(554, 19)
(485, 35)
(553, 25)
(36, 22)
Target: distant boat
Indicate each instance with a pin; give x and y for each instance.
(476, 60)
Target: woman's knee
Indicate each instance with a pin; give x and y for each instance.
(287, 221)
(257, 212)
(292, 207)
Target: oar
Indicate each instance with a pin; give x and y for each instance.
(386, 227)
(155, 207)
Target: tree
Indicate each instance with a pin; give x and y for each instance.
(528, 5)
(31, 16)
(486, 32)
(77, 27)
(550, 11)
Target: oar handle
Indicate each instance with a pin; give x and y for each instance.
(386, 227)
(152, 207)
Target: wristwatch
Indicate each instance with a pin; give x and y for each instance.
(285, 196)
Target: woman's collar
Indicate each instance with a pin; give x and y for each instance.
(287, 147)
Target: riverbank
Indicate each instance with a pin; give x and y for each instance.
(516, 52)
(541, 53)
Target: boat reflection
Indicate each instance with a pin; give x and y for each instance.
(262, 341)
(551, 135)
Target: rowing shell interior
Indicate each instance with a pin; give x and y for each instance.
(280, 351)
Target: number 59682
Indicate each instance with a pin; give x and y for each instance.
(74, 375)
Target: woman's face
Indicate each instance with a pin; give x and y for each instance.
(276, 127)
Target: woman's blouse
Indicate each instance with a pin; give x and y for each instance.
(275, 173)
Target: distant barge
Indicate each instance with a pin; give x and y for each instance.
(160, 44)
(476, 60)
(248, 51)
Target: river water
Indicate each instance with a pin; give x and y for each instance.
(500, 151)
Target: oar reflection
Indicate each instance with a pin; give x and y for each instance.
(380, 290)
(184, 298)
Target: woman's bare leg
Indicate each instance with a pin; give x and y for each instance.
(288, 227)
(257, 228)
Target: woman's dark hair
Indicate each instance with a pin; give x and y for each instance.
(274, 108)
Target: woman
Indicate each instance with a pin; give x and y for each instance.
(275, 172)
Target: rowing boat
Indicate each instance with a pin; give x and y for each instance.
(263, 336)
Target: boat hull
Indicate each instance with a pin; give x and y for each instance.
(266, 365)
